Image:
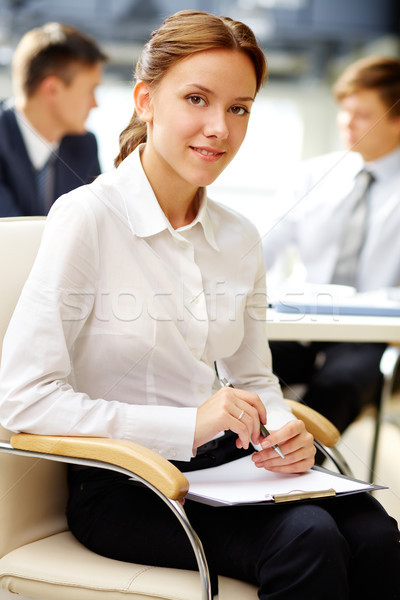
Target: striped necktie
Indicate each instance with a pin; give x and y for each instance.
(345, 272)
(45, 184)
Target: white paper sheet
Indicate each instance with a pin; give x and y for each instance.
(241, 482)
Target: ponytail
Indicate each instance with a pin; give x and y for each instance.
(130, 138)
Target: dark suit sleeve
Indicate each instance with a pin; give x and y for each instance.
(89, 164)
(95, 169)
(9, 207)
(18, 195)
(78, 163)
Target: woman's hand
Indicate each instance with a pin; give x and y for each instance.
(233, 409)
(296, 444)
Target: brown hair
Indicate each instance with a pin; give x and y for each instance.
(378, 73)
(181, 35)
(53, 49)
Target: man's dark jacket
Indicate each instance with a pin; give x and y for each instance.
(76, 164)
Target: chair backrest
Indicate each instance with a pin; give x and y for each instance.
(19, 242)
(32, 492)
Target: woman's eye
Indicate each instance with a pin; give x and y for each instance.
(196, 100)
(239, 110)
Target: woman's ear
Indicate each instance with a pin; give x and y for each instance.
(141, 97)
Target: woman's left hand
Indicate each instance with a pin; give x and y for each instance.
(296, 444)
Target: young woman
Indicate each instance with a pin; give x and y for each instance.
(141, 285)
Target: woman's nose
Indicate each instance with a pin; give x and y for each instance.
(216, 124)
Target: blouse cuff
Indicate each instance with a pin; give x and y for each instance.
(167, 430)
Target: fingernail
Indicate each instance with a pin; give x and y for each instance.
(266, 444)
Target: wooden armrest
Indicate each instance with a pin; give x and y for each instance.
(144, 462)
(319, 426)
(135, 458)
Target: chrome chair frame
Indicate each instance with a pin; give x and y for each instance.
(174, 505)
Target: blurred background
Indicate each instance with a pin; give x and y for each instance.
(307, 44)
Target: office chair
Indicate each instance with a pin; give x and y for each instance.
(39, 556)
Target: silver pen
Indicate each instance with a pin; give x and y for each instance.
(263, 430)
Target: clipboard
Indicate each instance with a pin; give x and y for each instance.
(296, 495)
(241, 482)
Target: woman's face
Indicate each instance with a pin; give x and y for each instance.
(197, 118)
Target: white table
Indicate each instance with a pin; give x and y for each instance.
(341, 328)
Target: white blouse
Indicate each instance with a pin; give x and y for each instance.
(118, 327)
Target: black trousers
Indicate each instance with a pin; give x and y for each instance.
(333, 549)
(341, 378)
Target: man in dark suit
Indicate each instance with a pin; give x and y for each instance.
(45, 149)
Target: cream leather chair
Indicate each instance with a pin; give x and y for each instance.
(39, 557)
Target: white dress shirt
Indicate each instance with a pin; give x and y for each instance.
(122, 318)
(313, 220)
(38, 148)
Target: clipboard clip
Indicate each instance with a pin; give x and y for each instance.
(303, 495)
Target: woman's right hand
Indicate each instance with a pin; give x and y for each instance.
(233, 409)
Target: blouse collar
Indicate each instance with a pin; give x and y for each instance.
(146, 217)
